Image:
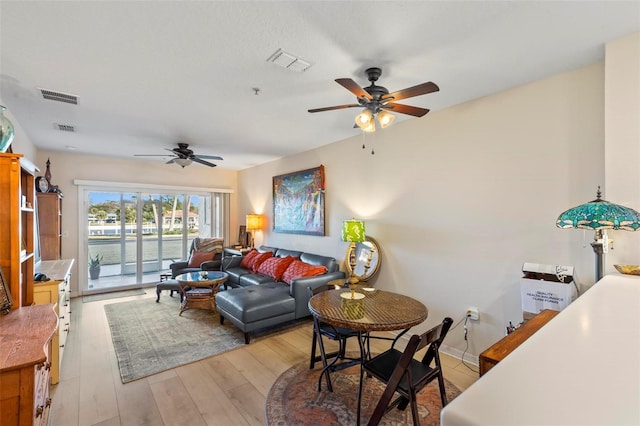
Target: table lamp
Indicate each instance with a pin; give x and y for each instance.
(254, 223)
(599, 215)
(353, 233)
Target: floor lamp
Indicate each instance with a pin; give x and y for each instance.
(600, 215)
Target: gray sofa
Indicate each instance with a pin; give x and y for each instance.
(254, 301)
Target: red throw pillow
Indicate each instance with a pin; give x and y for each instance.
(275, 266)
(247, 259)
(299, 269)
(257, 261)
(198, 257)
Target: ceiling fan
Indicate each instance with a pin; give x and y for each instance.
(377, 99)
(183, 156)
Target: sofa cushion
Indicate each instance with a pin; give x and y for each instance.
(257, 261)
(248, 280)
(300, 269)
(198, 257)
(275, 266)
(287, 252)
(256, 303)
(316, 259)
(248, 259)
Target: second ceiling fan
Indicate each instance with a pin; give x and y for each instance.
(183, 156)
(376, 100)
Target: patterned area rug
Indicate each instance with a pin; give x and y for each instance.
(150, 337)
(294, 399)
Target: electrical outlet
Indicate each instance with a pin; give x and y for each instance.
(472, 313)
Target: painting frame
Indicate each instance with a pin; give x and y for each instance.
(299, 202)
(5, 294)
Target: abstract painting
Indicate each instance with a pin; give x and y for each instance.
(298, 202)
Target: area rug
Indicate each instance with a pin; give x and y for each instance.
(112, 295)
(294, 399)
(150, 337)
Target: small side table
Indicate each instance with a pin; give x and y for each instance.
(199, 289)
(497, 352)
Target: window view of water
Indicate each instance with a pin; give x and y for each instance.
(132, 232)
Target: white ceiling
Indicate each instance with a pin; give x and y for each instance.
(149, 74)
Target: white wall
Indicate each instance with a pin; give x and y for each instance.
(461, 198)
(622, 141)
(65, 168)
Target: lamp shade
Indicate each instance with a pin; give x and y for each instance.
(182, 162)
(254, 221)
(600, 214)
(385, 118)
(364, 118)
(353, 231)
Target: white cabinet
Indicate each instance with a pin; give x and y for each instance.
(57, 290)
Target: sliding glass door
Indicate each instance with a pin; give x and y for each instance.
(133, 236)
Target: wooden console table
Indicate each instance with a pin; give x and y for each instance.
(25, 334)
(507, 344)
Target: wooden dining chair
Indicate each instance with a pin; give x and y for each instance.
(406, 375)
(322, 329)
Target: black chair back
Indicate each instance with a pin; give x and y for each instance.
(407, 376)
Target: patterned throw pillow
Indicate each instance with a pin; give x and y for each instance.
(248, 258)
(210, 245)
(198, 257)
(299, 269)
(275, 266)
(257, 261)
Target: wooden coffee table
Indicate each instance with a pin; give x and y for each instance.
(199, 289)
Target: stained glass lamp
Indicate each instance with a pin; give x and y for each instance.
(353, 232)
(598, 215)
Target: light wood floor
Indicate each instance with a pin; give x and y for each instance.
(228, 389)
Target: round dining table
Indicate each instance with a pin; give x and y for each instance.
(367, 310)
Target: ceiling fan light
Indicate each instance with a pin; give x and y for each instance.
(182, 162)
(364, 119)
(385, 118)
(370, 128)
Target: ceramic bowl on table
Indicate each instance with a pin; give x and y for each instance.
(628, 269)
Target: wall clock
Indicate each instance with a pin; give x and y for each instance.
(42, 185)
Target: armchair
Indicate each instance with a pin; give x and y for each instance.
(200, 257)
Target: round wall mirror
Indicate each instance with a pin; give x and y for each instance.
(368, 258)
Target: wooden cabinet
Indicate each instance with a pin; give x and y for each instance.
(57, 290)
(25, 365)
(17, 225)
(50, 225)
(507, 344)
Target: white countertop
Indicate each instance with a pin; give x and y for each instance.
(582, 368)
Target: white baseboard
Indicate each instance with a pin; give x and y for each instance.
(457, 353)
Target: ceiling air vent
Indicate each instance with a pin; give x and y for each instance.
(65, 127)
(288, 61)
(60, 97)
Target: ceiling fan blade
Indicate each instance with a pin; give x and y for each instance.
(150, 155)
(170, 161)
(198, 160)
(334, 107)
(209, 157)
(420, 89)
(406, 109)
(353, 87)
